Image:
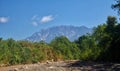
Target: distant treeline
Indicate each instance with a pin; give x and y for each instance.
(102, 45)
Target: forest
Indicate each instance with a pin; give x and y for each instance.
(102, 45)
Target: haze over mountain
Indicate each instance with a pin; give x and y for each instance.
(71, 32)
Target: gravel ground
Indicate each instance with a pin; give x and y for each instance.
(65, 66)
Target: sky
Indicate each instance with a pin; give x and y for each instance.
(21, 18)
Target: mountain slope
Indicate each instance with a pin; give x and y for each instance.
(71, 32)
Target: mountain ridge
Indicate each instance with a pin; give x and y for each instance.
(47, 34)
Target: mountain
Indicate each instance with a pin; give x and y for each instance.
(71, 32)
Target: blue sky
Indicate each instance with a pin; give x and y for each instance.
(21, 18)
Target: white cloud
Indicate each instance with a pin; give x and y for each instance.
(34, 23)
(36, 20)
(46, 19)
(34, 17)
(4, 19)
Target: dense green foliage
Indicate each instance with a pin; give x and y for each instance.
(88, 47)
(111, 41)
(103, 44)
(21, 52)
(64, 47)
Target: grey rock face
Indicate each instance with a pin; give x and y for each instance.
(71, 32)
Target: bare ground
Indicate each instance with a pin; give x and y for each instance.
(65, 66)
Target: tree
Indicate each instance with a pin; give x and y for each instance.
(113, 30)
(110, 41)
(111, 23)
(0, 39)
(64, 47)
(88, 47)
(116, 6)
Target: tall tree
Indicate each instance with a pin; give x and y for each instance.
(110, 40)
(111, 23)
(117, 6)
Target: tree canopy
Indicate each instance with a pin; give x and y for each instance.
(116, 6)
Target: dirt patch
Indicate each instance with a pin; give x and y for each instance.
(65, 66)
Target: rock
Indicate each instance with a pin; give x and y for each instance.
(47, 62)
(51, 67)
(16, 69)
